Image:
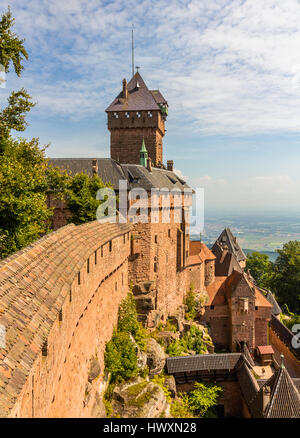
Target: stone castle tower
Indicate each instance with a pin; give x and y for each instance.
(137, 114)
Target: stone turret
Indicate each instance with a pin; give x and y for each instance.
(137, 113)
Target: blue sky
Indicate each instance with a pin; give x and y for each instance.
(230, 70)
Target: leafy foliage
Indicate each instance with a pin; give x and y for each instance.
(291, 319)
(286, 281)
(191, 303)
(121, 353)
(180, 409)
(13, 116)
(128, 322)
(120, 357)
(24, 215)
(203, 397)
(192, 340)
(11, 46)
(81, 199)
(260, 268)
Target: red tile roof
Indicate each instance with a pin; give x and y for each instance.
(265, 349)
(197, 247)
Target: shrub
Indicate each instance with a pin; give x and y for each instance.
(202, 398)
(120, 357)
(179, 409)
(191, 303)
(128, 322)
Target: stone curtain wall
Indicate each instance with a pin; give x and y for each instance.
(154, 258)
(57, 384)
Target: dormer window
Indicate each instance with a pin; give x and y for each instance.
(149, 113)
(127, 115)
(116, 116)
(138, 114)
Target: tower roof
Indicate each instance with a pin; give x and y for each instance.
(226, 238)
(143, 154)
(139, 98)
(284, 396)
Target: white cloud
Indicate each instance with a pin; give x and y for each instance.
(225, 66)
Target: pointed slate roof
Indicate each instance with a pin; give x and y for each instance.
(139, 97)
(226, 261)
(284, 398)
(270, 297)
(226, 238)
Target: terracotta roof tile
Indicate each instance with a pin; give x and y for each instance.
(265, 349)
(33, 285)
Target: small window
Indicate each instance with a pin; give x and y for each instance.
(101, 251)
(256, 307)
(95, 257)
(78, 278)
(212, 307)
(127, 115)
(169, 232)
(110, 245)
(60, 316)
(155, 238)
(155, 264)
(45, 348)
(138, 114)
(149, 113)
(116, 286)
(116, 116)
(124, 238)
(70, 295)
(88, 266)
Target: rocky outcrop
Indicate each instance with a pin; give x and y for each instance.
(156, 359)
(144, 294)
(170, 384)
(167, 337)
(138, 399)
(94, 369)
(141, 355)
(98, 410)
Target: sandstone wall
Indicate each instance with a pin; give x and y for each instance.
(57, 385)
(127, 135)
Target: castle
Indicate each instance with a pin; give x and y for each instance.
(59, 297)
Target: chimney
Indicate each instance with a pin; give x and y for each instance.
(149, 165)
(170, 165)
(95, 167)
(125, 89)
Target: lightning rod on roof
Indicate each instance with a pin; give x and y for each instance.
(132, 50)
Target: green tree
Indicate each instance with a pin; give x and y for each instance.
(191, 303)
(120, 357)
(12, 50)
(286, 280)
(24, 215)
(24, 172)
(81, 199)
(128, 320)
(11, 46)
(260, 268)
(202, 398)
